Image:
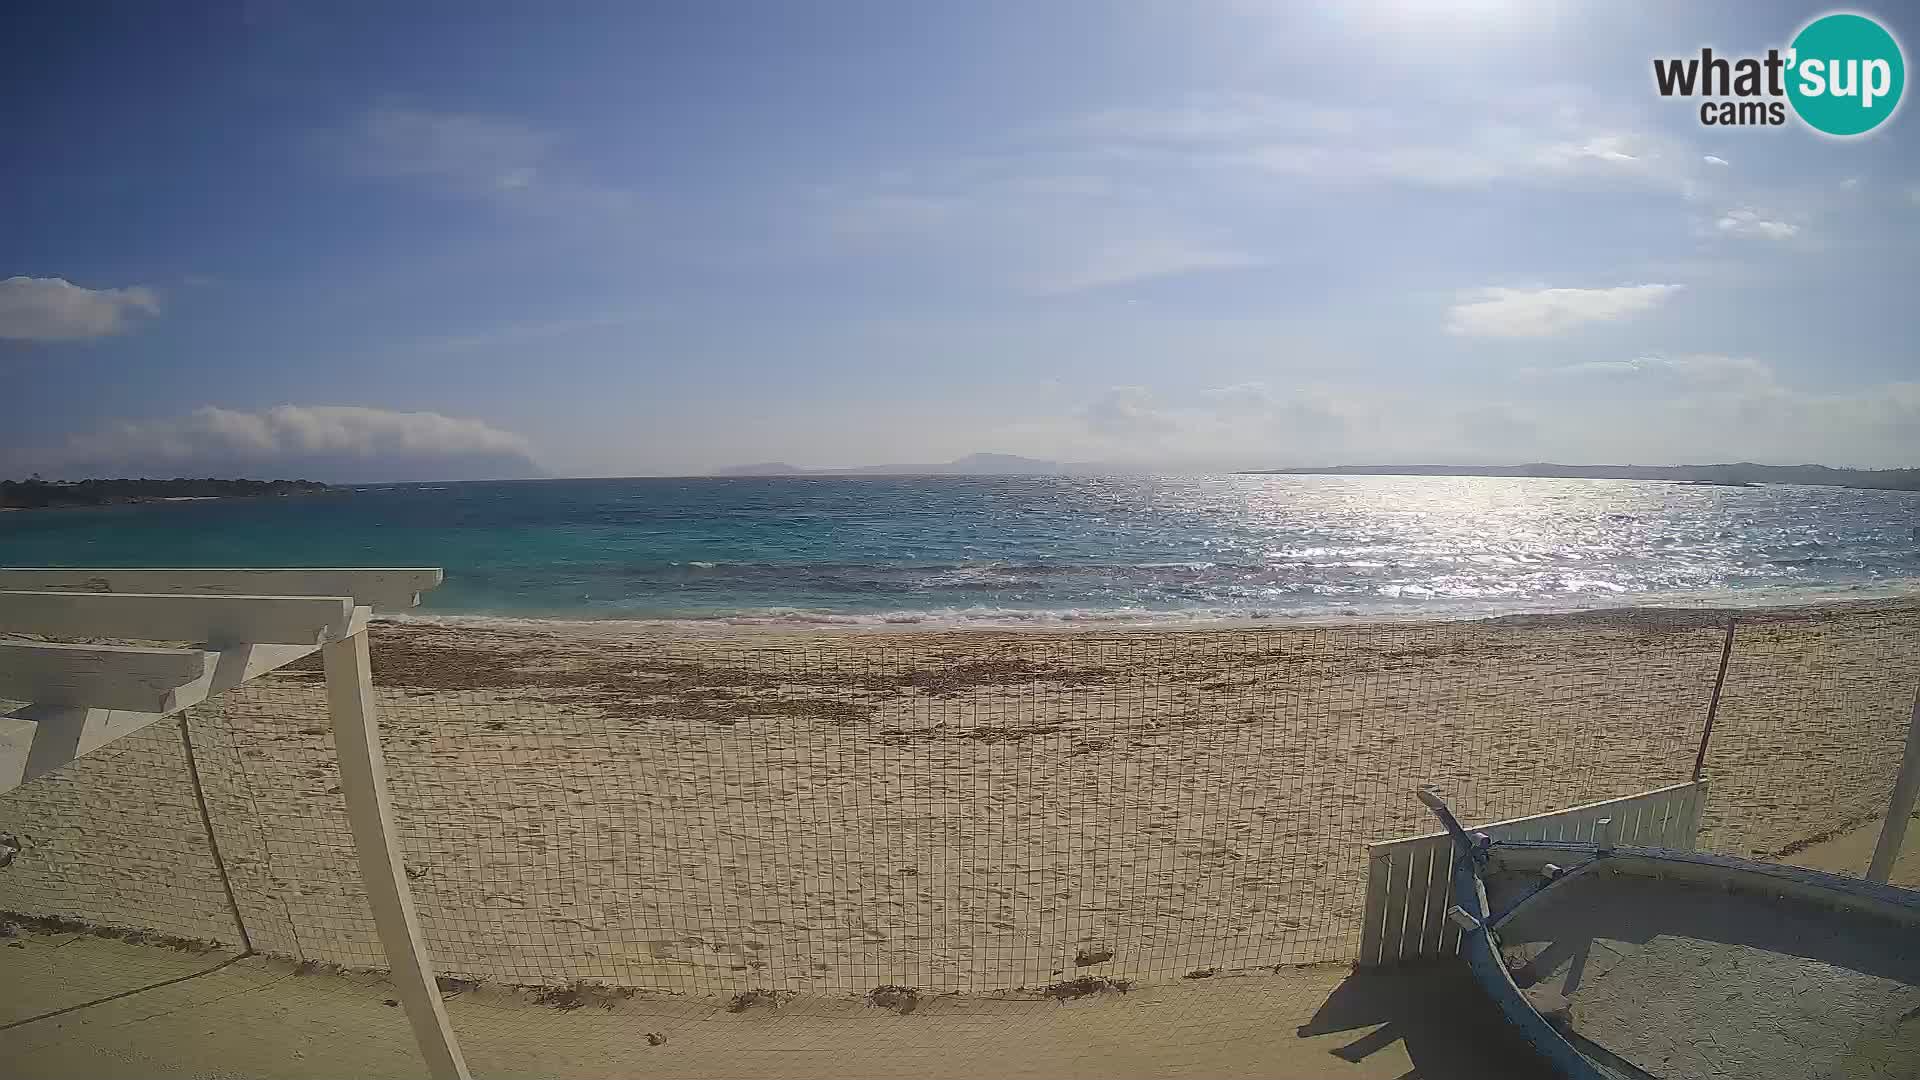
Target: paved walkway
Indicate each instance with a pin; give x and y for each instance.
(72, 1007)
(1850, 852)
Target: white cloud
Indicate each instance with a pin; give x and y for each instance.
(1618, 149)
(1745, 222)
(1251, 398)
(1723, 408)
(1503, 312)
(318, 441)
(1127, 259)
(1712, 160)
(1243, 421)
(1497, 425)
(1851, 183)
(1307, 140)
(55, 309)
(1214, 117)
(1480, 158)
(1129, 194)
(1705, 371)
(477, 156)
(479, 150)
(520, 333)
(1651, 410)
(1040, 233)
(887, 215)
(1301, 411)
(1126, 413)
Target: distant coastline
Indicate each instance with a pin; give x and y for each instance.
(1733, 474)
(53, 494)
(1736, 474)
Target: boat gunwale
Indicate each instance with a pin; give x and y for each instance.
(1480, 942)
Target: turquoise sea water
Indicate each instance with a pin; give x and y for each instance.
(919, 550)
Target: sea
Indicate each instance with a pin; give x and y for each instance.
(1033, 551)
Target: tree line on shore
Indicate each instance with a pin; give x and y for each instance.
(35, 493)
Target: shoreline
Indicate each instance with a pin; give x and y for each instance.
(1046, 622)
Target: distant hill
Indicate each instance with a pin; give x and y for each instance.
(1737, 474)
(39, 494)
(765, 468)
(971, 465)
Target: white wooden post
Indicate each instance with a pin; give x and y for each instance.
(1893, 830)
(363, 783)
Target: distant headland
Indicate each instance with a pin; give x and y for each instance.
(37, 494)
(1736, 474)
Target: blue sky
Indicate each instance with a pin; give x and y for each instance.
(421, 240)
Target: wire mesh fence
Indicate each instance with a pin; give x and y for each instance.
(272, 781)
(833, 814)
(115, 839)
(1811, 726)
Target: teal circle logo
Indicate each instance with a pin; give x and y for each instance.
(1846, 73)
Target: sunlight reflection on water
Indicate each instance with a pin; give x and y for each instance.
(906, 550)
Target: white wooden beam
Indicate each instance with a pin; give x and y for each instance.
(102, 676)
(363, 784)
(16, 742)
(244, 663)
(39, 738)
(211, 620)
(382, 589)
(62, 731)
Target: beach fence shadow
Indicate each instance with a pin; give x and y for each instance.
(1449, 1028)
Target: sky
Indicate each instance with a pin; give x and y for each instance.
(362, 241)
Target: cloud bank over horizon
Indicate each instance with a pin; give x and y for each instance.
(330, 443)
(1646, 410)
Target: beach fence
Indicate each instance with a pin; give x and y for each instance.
(779, 814)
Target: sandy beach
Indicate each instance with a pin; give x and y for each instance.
(950, 811)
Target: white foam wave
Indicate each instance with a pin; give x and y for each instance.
(1381, 609)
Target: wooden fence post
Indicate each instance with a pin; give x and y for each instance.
(363, 783)
(213, 840)
(1893, 829)
(1713, 706)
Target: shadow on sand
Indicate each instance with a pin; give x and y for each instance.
(1449, 1027)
